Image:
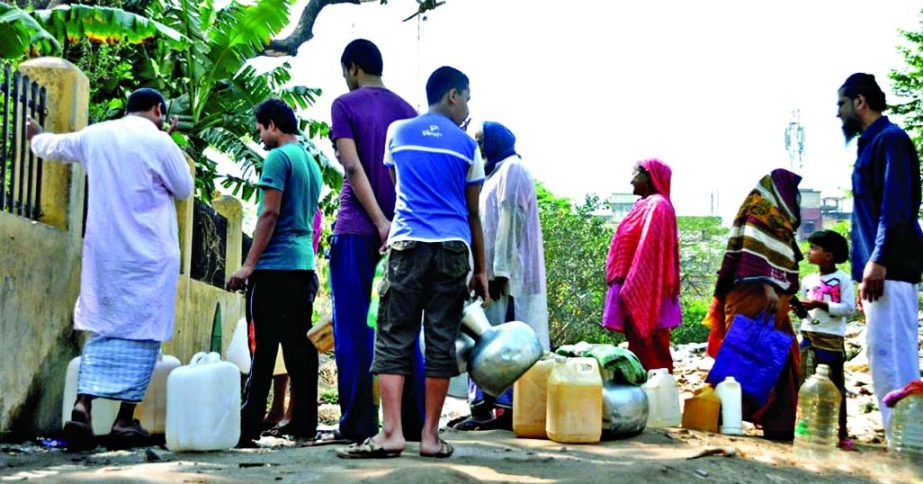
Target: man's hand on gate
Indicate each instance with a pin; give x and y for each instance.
(32, 128)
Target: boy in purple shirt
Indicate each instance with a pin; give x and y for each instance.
(360, 122)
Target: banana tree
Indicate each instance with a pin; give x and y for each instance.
(49, 32)
(216, 88)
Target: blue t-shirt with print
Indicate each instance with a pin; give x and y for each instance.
(292, 171)
(434, 161)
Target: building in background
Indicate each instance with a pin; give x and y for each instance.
(620, 204)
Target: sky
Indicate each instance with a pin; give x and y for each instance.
(590, 87)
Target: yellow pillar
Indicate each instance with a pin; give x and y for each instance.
(231, 209)
(68, 95)
(184, 211)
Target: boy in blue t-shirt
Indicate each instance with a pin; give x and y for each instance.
(438, 174)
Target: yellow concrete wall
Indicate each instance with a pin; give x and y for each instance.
(39, 280)
(195, 311)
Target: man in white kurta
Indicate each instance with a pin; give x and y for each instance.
(131, 259)
(515, 258)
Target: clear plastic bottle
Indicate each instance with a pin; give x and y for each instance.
(818, 415)
(907, 426)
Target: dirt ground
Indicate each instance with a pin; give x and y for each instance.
(657, 455)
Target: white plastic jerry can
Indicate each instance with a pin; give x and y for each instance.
(153, 409)
(203, 405)
(663, 397)
(238, 351)
(102, 412)
(731, 406)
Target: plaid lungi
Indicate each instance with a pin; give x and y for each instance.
(116, 368)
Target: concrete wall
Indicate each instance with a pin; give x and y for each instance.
(40, 276)
(39, 281)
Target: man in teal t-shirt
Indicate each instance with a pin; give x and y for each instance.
(279, 275)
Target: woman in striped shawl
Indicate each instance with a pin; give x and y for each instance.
(759, 274)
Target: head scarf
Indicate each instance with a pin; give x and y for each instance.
(660, 175)
(498, 144)
(644, 253)
(761, 247)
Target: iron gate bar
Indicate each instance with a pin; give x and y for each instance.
(4, 153)
(23, 149)
(27, 149)
(37, 208)
(12, 190)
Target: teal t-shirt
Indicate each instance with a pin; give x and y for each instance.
(292, 171)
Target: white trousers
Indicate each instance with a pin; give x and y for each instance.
(892, 342)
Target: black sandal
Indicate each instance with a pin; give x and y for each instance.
(445, 450)
(79, 436)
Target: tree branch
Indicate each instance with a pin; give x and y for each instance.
(304, 31)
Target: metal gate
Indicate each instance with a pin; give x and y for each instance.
(20, 170)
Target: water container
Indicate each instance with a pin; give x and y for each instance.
(907, 426)
(239, 350)
(663, 397)
(103, 411)
(701, 411)
(530, 396)
(818, 415)
(731, 406)
(575, 401)
(203, 405)
(625, 408)
(153, 409)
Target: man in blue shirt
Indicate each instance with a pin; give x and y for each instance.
(438, 174)
(887, 243)
(279, 275)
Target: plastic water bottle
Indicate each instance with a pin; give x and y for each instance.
(663, 397)
(818, 415)
(731, 406)
(907, 426)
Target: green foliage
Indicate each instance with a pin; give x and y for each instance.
(576, 243)
(48, 32)
(22, 34)
(702, 241)
(692, 330)
(329, 396)
(907, 83)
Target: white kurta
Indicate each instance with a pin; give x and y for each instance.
(513, 241)
(131, 260)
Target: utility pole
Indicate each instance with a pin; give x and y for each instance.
(794, 141)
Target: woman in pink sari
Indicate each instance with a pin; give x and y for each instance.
(642, 269)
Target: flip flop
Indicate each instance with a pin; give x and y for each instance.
(497, 423)
(368, 449)
(128, 438)
(79, 436)
(288, 430)
(329, 437)
(469, 424)
(446, 450)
